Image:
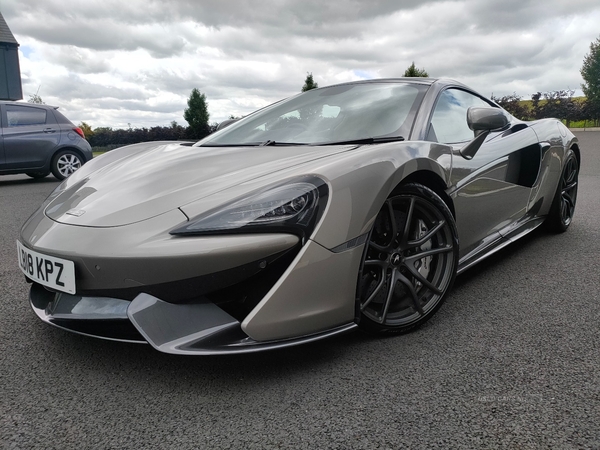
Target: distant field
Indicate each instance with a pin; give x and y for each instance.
(579, 124)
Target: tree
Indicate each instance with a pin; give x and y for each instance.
(590, 71)
(412, 71)
(102, 137)
(87, 130)
(512, 103)
(590, 111)
(177, 131)
(309, 83)
(558, 104)
(196, 115)
(34, 98)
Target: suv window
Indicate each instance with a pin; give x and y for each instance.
(18, 116)
(449, 121)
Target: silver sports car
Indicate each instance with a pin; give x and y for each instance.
(354, 205)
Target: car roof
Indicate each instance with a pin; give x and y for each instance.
(413, 80)
(36, 105)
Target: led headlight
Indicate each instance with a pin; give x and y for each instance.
(294, 207)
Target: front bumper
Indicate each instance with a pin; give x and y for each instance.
(190, 329)
(117, 261)
(267, 289)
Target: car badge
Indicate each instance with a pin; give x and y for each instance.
(76, 212)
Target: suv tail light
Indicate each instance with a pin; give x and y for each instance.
(79, 131)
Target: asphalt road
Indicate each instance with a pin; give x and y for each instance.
(510, 361)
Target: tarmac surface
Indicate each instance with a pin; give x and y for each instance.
(511, 360)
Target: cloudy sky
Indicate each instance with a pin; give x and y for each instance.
(114, 63)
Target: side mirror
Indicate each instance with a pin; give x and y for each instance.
(486, 119)
(482, 121)
(226, 123)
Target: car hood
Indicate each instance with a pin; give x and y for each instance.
(138, 182)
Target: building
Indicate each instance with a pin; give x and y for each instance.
(10, 73)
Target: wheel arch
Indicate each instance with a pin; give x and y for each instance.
(575, 148)
(360, 193)
(73, 149)
(431, 180)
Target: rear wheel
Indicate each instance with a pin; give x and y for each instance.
(563, 206)
(65, 163)
(409, 263)
(37, 174)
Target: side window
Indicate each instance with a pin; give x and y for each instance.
(18, 116)
(449, 121)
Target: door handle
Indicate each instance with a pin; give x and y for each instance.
(49, 130)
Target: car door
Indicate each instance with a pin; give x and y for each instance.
(30, 136)
(491, 191)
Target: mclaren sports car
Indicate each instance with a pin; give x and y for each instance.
(349, 206)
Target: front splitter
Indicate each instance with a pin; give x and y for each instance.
(100, 317)
(184, 329)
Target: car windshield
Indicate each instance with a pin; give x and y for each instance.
(343, 113)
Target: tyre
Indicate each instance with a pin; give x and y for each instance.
(409, 262)
(563, 206)
(37, 174)
(65, 163)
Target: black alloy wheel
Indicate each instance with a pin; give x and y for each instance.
(563, 206)
(409, 263)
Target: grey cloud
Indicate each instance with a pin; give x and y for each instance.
(96, 34)
(115, 25)
(78, 61)
(524, 14)
(76, 87)
(222, 48)
(135, 105)
(216, 13)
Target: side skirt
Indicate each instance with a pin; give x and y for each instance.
(506, 236)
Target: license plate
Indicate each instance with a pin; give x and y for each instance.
(56, 273)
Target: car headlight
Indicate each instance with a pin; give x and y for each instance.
(293, 207)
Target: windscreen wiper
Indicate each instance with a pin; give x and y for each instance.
(270, 142)
(365, 141)
(253, 144)
(243, 144)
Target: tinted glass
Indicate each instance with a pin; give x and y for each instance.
(332, 114)
(19, 116)
(449, 121)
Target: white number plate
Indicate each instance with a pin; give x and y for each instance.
(50, 271)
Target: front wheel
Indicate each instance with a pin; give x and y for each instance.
(409, 263)
(563, 206)
(65, 163)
